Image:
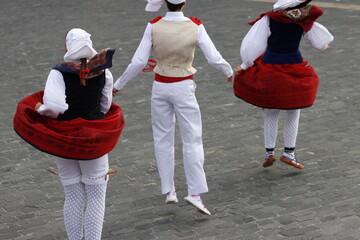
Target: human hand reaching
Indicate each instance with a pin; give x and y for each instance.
(114, 92)
(237, 70)
(37, 106)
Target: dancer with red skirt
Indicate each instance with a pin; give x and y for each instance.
(274, 75)
(75, 120)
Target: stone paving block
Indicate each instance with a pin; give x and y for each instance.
(246, 201)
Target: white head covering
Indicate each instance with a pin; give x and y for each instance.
(155, 5)
(79, 45)
(284, 4)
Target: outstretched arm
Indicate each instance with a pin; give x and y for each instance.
(211, 54)
(319, 37)
(138, 61)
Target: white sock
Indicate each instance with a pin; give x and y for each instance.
(290, 155)
(271, 121)
(269, 152)
(95, 211)
(291, 128)
(74, 210)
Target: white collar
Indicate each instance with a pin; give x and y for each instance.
(175, 16)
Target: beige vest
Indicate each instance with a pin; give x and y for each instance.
(174, 47)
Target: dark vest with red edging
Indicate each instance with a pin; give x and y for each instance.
(283, 43)
(83, 101)
(287, 28)
(280, 78)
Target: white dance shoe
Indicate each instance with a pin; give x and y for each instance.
(196, 201)
(171, 197)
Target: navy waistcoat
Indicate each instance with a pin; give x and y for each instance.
(83, 101)
(283, 43)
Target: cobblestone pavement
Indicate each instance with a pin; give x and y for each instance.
(320, 202)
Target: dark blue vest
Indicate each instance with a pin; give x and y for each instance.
(283, 43)
(83, 101)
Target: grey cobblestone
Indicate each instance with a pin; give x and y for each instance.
(247, 202)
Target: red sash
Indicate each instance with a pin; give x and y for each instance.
(164, 79)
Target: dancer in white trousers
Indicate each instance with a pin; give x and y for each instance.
(173, 39)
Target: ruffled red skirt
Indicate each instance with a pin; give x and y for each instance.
(287, 86)
(75, 139)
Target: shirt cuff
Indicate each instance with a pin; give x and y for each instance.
(243, 66)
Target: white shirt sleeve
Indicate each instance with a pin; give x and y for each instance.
(211, 54)
(319, 37)
(255, 42)
(139, 59)
(54, 96)
(106, 98)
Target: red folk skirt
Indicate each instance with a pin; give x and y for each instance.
(75, 139)
(279, 86)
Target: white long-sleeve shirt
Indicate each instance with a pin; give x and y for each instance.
(255, 41)
(143, 51)
(54, 100)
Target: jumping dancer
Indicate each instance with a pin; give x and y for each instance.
(173, 39)
(77, 123)
(273, 74)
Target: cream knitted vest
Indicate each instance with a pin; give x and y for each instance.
(174, 47)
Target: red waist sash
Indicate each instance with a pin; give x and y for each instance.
(164, 79)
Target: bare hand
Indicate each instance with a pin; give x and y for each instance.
(237, 70)
(231, 79)
(37, 106)
(114, 92)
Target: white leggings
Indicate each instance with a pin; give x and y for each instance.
(290, 127)
(85, 184)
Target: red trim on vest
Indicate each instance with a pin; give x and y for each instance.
(196, 20)
(165, 79)
(155, 20)
(306, 23)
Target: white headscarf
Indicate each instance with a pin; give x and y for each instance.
(155, 5)
(284, 4)
(79, 45)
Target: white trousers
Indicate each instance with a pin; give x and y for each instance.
(171, 102)
(91, 172)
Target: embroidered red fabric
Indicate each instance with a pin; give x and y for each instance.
(95, 66)
(287, 86)
(75, 139)
(306, 22)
